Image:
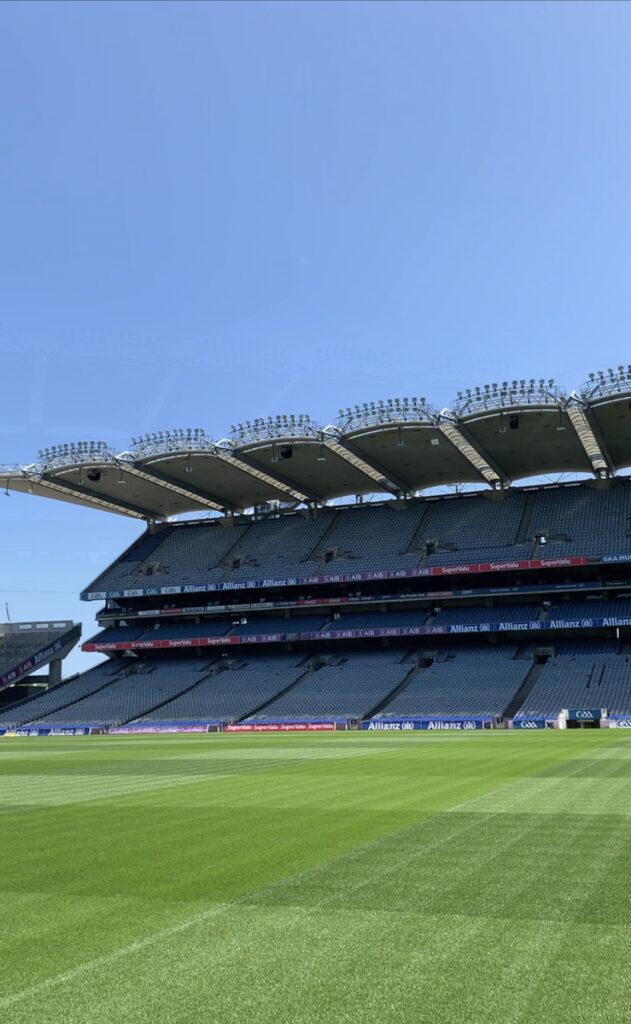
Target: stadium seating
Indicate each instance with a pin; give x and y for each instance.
(62, 698)
(579, 520)
(590, 610)
(232, 693)
(476, 683)
(127, 570)
(135, 688)
(280, 624)
(467, 529)
(350, 688)
(329, 678)
(475, 615)
(580, 681)
(394, 617)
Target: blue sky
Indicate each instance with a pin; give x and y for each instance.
(217, 211)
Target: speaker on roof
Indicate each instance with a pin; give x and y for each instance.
(93, 475)
(286, 451)
(513, 422)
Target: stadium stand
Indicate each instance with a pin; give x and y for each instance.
(389, 619)
(474, 615)
(19, 641)
(468, 684)
(580, 681)
(61, 698)
(530, 551)
(553, 522)
(231, 691)
(132, 690)
(577, 520)
(346, 690)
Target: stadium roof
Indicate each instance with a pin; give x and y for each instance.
(491, 436)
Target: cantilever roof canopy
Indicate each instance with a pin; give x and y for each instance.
(491, 436)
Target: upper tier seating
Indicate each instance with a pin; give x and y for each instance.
(364, 539)
(136, 563)
(277, 548)
(465, 529)
(473, 529)
(580, 520)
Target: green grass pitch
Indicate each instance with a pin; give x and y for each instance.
(349, 877)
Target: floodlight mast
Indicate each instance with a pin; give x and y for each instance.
(603, 384)
(75, 453)
(178, 440)
(385, 411)
(273, 427)
(506, 395)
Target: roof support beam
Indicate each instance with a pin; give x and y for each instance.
(150, 473)
(595, 451)
(241, 461)
(462, 440)
(96, 499)
(373, 470)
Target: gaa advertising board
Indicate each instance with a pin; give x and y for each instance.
(585, 714)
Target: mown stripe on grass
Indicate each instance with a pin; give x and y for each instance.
(388, 867)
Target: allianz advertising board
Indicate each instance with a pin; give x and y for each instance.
(379, 725)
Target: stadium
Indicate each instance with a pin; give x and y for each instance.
(300, 604)
(403, 603)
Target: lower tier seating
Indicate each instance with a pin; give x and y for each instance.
(464, 685)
